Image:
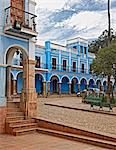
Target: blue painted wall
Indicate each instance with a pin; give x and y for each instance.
(65, 85)
(38, 83)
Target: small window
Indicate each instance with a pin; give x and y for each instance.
(90, 69)
(85, 50)
(37, 62)
(74, 66)
(64, 65)
(82, 68)
(81, 49)
(53, 63)
(74, 48)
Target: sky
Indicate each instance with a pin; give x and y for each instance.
(59, 20)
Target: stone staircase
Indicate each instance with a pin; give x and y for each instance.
(101, 142)
(16, 124)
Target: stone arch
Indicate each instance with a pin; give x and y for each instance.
(74, 84)
(83, 84)
(76, 78)
(98, 84)
(28, 95)
(65, 80)
(10, 52)
(91, 83)
(12, 74)
(54, 80)
(83, 78)
(66, 77)
(21, 71)
(41, 75)
(39, 79)
(55, 76)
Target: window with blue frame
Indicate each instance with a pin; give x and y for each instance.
(54, 63)
(81, 49)
(82, 68)
(85, 50)
(64, 65)
(74, 66)
(38, 62)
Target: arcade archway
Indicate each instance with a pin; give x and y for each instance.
(65, 85)
(74, 85)
(28, 96)
(83, 84)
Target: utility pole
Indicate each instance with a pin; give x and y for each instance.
(109, 23)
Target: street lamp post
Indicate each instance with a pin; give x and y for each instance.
(114, 68)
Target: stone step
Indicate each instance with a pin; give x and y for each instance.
(10, 109)
(15, 114)
(13, 104)
(16, 122)
(12, 118)
(23, 125)
(80, 138)
(24, 131)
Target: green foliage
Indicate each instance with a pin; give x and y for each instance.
(105, 58)
(102, 41)
(113, 100)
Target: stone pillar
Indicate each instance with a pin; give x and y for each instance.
(78, 87)
(59, 88)
(48, 84)
(70, 88)
(87, 86)
(8, 91)
(102, 88)
(29, 95)
(44, 89)
(14, 87)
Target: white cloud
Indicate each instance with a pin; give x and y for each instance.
(86, 23)
(51, 4)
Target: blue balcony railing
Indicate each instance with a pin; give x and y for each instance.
(41, 66)
(68, 69)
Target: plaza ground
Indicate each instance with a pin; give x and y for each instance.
(37, 141)
(72, 112)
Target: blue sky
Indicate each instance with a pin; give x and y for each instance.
(59, 20)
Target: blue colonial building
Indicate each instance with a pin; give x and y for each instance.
(60, 69)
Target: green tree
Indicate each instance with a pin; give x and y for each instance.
(102, 41)
(103, 63)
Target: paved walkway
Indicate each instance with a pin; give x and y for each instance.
(76, 103)
(37, 141)
(87, 120)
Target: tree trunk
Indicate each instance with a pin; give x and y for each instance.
(108, 90)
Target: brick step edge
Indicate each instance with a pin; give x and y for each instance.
(21, 121)
(15, 113)
(45, 123)
(85, 139)
(24, 131)
(23, 125)
(11, 117)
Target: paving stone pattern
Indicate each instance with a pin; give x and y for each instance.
(82, 119)
(37, 141)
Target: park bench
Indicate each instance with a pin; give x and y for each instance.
(97, 101)
(100, 104)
